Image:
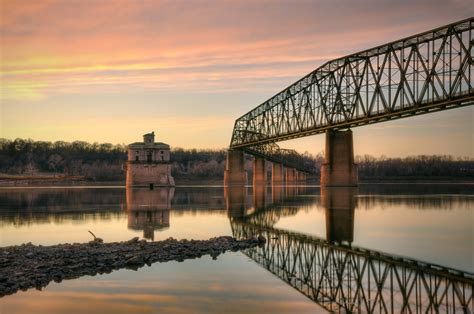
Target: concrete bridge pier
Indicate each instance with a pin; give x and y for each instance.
(301, 176)
(234, 173)
(278, 193)
(259, 171)
(290, 175)
(290, 191)
(259, 197)
(301, 189)
(277, 174)
(339, 168)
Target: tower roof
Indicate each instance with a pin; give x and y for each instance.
(154, 145)
(149, 142)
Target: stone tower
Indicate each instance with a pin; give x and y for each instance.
(149, 163)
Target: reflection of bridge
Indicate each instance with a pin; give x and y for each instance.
(348, 279)
(340, 277)
(263, 210)
(424, 73)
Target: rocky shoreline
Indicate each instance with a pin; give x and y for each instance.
(34, 266)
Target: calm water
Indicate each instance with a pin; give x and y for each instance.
(430, 223)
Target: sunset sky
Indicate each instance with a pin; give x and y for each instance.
(109, 71)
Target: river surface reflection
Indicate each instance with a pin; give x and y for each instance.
(431, 223)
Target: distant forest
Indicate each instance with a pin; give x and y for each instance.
(104, 162)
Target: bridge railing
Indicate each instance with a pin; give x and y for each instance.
(350, 279)
(427, 72)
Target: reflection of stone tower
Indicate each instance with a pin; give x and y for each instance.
(149, 221)
(339, 204)
(149, 210)
(148, 163)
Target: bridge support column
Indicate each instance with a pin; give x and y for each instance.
(278, 193)
(259, 196)
(290, 175)
(259, 171)
(234, 173)
(301, 176)
(277, 174)
(339, 168)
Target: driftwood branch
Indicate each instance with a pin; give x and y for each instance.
(92, 234)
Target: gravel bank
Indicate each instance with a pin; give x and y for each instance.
(34, 266)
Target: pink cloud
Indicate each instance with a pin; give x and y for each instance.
(102, 48)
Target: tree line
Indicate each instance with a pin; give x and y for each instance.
(104, 162)
(415, 166)
(91, 160)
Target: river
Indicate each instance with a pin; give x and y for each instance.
(392, 229)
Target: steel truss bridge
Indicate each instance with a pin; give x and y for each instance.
(428, 72)
(350, 279)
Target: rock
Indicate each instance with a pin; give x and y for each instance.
(132, 240)
(135, 260)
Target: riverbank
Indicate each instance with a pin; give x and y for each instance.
(41, 180)
(34, 266)
(62, 180)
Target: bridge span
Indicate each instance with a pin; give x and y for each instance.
(420, 74)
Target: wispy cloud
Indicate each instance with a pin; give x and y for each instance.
(68, 52)
(175, 44)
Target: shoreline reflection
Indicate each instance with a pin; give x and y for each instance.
(426, 222)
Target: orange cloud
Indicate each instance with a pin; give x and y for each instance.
(70, 44)
(190, 299)
(67, 52)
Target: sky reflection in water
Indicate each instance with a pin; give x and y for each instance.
(428, 222)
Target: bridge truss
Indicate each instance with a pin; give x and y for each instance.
(288, 157)
(348, 279)
(428, 72)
